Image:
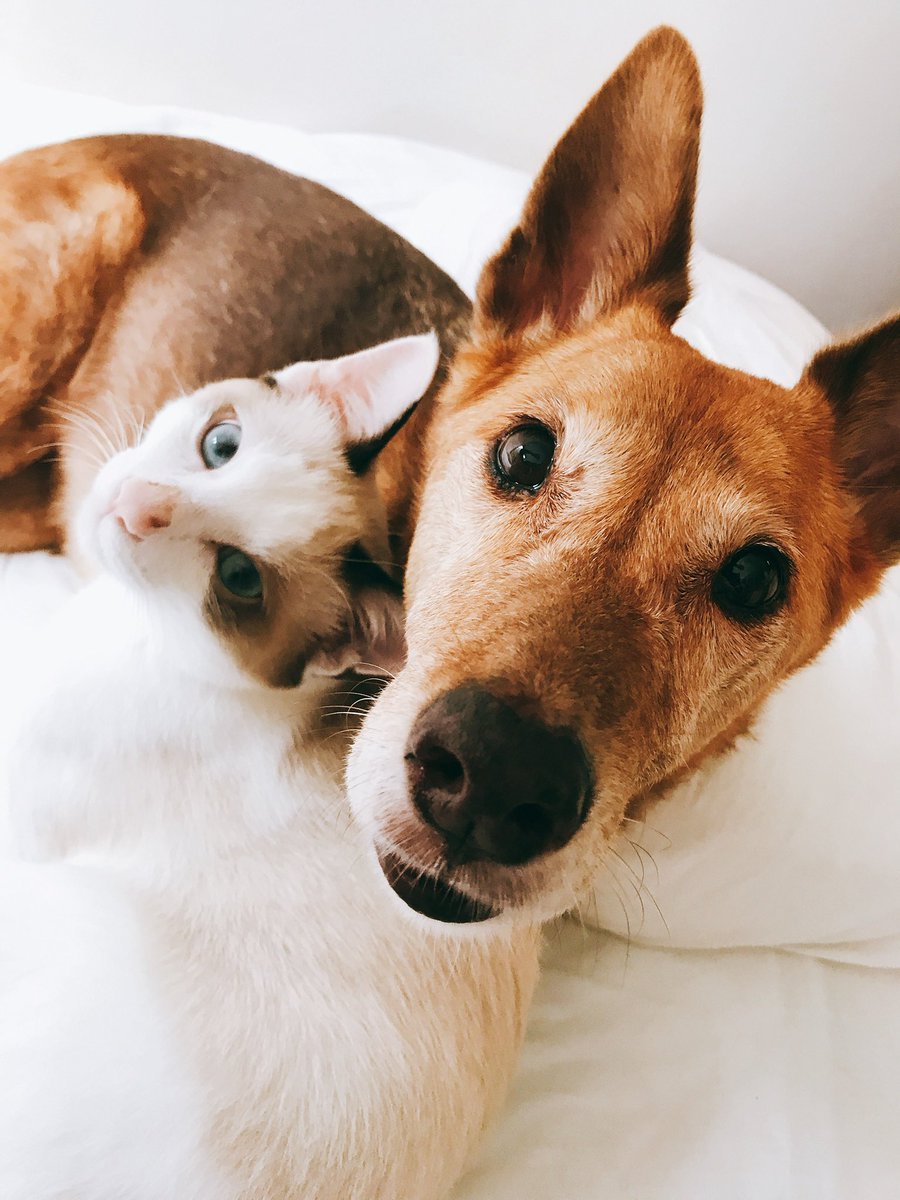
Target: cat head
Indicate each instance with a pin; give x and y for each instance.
(247, 504)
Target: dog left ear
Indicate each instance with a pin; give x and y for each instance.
(861, 379)
(608, 220)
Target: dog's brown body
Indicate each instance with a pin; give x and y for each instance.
(133, 268)
(617, 548)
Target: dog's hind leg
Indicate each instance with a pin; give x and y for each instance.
(26, 438)
(26, 511)
(69, 226)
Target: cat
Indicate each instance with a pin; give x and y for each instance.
(207, 989)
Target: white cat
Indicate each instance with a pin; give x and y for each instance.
(207, 989)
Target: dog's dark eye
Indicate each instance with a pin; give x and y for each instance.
(752, 583)
(220, 444)
(523, 457)
(238, 574)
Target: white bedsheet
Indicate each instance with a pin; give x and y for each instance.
(746, 1042)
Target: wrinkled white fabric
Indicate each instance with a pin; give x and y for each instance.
(745, 1043)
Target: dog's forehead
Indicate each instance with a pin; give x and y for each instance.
(675, 455)
(657, 385)
(627, 368)
(629, 392)
(660, 450)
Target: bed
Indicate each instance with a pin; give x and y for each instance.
(722, 1017)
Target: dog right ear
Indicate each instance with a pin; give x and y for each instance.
(861, 381)
(609, 217)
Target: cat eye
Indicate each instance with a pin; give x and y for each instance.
(752, 583)
(238, 574)
(220, 444)
(523, 457)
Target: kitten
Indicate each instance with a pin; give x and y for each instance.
(207, 989)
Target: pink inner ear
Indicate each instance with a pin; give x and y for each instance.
(297, 380)
(371, 390)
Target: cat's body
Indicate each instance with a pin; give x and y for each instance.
(207, 991)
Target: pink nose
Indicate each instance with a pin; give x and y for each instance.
(142, 508)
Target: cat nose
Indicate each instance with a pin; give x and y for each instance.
(142, 507)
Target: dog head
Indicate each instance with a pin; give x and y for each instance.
(620, 547)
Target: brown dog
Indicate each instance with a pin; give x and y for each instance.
(619, 548)
(133, 268)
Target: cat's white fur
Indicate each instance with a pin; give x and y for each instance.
(207, 990)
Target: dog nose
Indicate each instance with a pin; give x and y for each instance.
(498, 785)
(142, 507)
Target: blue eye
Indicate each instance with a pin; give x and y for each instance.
(238, 574)
(220, 444)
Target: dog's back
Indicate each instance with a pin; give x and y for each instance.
(141, 266)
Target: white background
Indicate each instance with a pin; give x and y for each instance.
(801, 170)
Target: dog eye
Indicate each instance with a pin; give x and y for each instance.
(752, 583)
(523, 457)
(220, 444)
(238, 574)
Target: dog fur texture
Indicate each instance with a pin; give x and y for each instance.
(587, 604)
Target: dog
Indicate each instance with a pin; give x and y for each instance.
(133, 268)
(617, 549)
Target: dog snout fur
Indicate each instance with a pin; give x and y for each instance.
(497, 784)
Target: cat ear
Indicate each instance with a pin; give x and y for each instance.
(370, 391)
(375, 389)
(373, 640)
